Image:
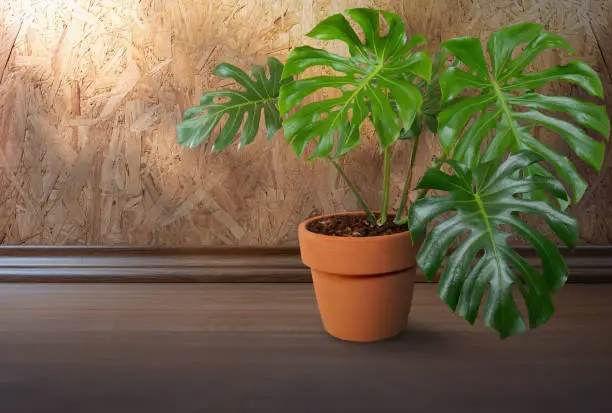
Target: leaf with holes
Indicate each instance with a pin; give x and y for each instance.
(241, 108)
(485, 205)
(372, 76)
(508, 109)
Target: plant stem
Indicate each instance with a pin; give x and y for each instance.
(437, 164)
(386, 186)
(408, 183)
(362, 203)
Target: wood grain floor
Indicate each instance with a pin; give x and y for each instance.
(213, 348)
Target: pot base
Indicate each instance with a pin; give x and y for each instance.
(366, 308)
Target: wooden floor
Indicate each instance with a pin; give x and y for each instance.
(214, 348)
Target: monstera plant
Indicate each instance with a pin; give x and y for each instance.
(487, 194)
(492, 173)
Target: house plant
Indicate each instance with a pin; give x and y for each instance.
(498, 172)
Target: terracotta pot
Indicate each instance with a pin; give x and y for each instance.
(363, 285)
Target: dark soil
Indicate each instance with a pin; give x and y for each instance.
(354, 226)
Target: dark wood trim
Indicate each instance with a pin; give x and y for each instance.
(586, 263)
(145, 264)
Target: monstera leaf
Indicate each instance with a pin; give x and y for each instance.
(508, 107)
(371, 77)
(485, 204)
(260, 92)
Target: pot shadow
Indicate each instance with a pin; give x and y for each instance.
(417, 339)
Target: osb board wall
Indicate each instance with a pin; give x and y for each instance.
(91, 91)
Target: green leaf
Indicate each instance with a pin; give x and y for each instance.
(374, 83)
(563, 166)
(303, 57)
(431, 122)
(587, 148)
(578, 73)
(504, 114)
(469, 51)
(588, 114)
(431, 100)
(540, 171)
(544, 41)
(454, 81)
(502, 43)
(454, 119)
(336, 27)
(486, 204)
(467, 150)
(414, 131)
(238, 108)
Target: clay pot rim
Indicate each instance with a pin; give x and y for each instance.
(304, 224)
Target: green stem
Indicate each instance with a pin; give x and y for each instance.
(362, 203)
(382, 219)
(408, 183)
(437, 164)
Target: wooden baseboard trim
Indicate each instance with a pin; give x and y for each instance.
(149, 265)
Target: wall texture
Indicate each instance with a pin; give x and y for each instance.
(90, 93)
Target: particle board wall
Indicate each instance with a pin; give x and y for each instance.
(91, 91)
